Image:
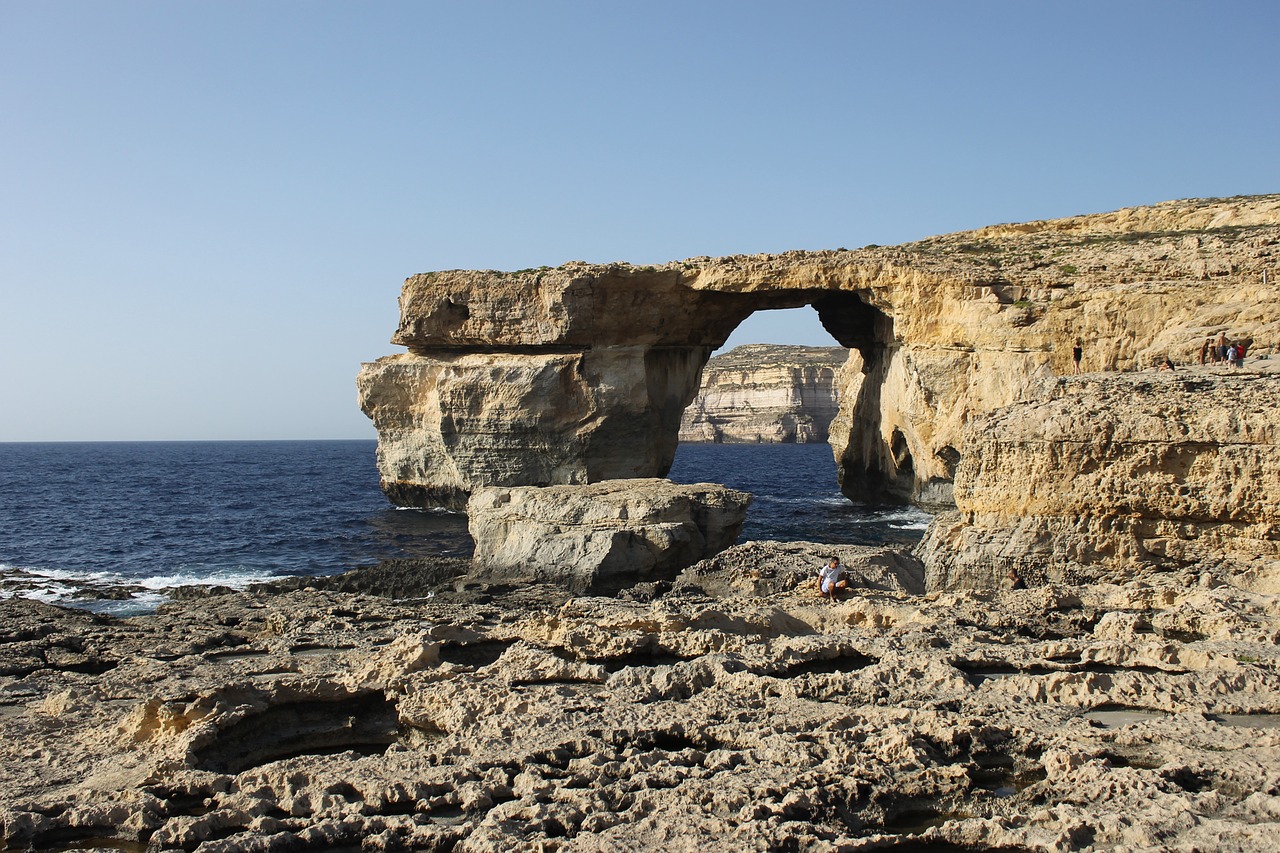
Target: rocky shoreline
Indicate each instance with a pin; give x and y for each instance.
(730, 707)
(1082, 654)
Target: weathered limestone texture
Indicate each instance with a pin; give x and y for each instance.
(482, 719)
(451, 421)
(602, 536)
(1112, 475)
(762, 393)
(602, 359)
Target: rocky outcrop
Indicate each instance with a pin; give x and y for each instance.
(1140, 716)
(450, 422)
(580, 373)
(603, 536)
(1111, 476)
(766, 393)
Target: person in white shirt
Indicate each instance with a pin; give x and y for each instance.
(831, 579)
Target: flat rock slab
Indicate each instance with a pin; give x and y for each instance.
(603, 535)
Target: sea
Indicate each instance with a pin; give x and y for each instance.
(115, 526)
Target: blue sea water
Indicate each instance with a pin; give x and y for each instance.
(79, 517)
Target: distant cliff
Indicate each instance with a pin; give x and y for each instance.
(766, 393)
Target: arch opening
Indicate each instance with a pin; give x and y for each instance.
(774, 380)
(764, 411)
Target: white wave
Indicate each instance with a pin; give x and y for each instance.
(67, 575)
(77, 589)
(237, 578)
(50, 594)
(431, 510)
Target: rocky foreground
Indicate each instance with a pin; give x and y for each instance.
(730, 710)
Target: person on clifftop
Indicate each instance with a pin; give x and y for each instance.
(831, 579)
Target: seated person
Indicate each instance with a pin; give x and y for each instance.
(831, 578)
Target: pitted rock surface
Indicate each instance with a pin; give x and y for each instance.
(725, 715)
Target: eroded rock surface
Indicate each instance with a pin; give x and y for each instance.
(580, 373)
(1111, 476)
(602, 536)
(1139, 716)
(451, 421)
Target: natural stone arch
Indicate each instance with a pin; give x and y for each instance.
(581, 374)
(578, 373)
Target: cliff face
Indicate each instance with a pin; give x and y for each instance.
(581, 372)
(1105, 477)
(766, 393)
(451, 421)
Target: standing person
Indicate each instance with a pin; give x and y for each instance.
(1076, 352)
(1204, 350)
(1222, 346)
(831, 580)
(1232, 356)
(1240, 354)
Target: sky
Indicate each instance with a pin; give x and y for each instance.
(207, 208)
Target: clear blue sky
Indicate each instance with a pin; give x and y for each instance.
(207, 208)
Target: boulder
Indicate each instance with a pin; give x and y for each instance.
(602, 536)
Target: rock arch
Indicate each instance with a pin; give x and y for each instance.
(579, 373)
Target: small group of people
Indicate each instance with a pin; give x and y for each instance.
(1230, 353)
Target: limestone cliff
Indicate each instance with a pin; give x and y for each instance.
(766, 393)
(1109, 476)
(581, 372)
